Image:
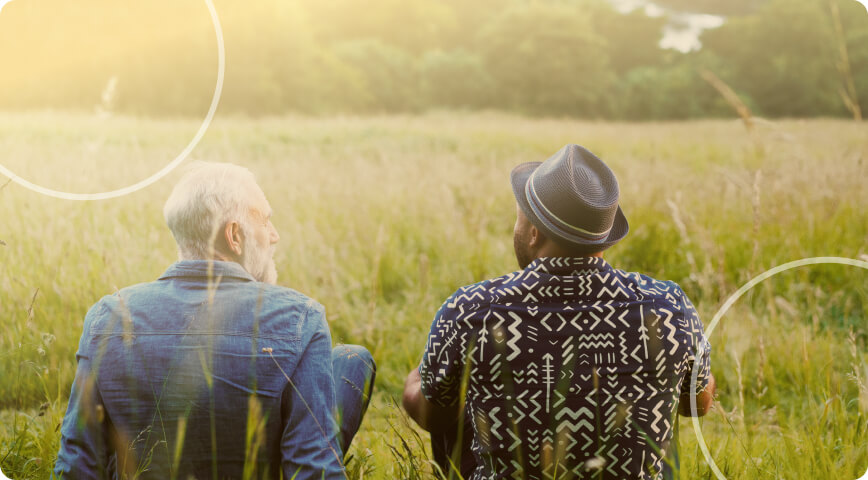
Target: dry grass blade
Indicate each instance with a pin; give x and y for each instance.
(849, 95)
(5, 184)
(730, 96)
(32, 302)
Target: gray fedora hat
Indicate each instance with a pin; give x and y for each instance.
(572, 198)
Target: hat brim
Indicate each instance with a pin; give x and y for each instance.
(519, 178)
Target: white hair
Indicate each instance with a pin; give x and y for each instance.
(208, 196)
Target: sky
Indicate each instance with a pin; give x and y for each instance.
(683, 29)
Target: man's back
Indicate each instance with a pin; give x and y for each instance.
(204, 372)
(572, 366)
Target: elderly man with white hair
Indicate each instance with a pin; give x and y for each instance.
(213, 371)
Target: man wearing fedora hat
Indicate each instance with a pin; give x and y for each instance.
(567, 368)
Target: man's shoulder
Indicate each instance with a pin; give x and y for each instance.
(649, 284)
(485, 291)
(262, 292)
(279, 295)
(268, 306)
(285, 310)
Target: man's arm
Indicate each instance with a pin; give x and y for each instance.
(699, 365)
(84, 436)
(429, 416)
(704, 400)
(309, 447)
(432, 391)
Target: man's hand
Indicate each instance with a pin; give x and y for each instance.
(429, 416)
(704, 399)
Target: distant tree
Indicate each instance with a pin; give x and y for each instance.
(674, 91)
(632, 40)
(470, 17)
(576, 58)
(854, 18)
(717, 7)
(410, 25)
(455, 78)
(341, 88)
(546, 59)
(389, 74)
(270, 53)
(783, 57)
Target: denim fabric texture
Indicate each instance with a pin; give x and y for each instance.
(354, 372)
(207, 373)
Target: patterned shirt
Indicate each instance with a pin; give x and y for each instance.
(572, 369)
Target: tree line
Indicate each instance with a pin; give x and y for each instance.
(573, 58)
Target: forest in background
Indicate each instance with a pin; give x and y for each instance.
(562, 58)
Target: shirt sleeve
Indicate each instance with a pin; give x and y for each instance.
(84, 435)
(309, 445)
(699, 356)
(445, 354)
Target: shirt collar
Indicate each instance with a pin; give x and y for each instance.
(569, 265)
(206, 269)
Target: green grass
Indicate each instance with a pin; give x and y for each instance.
(381, 218)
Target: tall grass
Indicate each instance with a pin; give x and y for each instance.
(381, 218)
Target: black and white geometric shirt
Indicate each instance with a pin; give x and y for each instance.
(571, 368)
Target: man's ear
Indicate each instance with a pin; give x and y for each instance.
(232, 237)
(538, 241)
(536, 238)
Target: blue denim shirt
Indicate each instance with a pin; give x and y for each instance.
(204, 373)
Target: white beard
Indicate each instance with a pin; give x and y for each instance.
(259, 263)
(271, 273)
(268, 274)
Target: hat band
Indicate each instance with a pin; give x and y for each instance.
(530, 191)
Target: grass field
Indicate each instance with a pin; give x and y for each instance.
(381, 218)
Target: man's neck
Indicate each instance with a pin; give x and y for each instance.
(552, 250)
(215, 257)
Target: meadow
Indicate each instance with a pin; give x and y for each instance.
(381, 218)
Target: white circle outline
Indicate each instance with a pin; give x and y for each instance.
(215, 100)
(724, 308)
